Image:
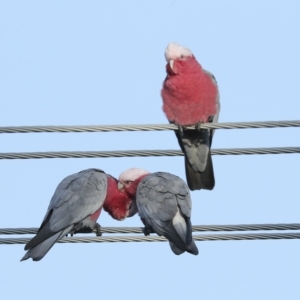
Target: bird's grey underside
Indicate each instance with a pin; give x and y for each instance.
(76, 198)
(164, 204)
(196, 145)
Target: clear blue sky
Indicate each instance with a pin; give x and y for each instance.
(96, 62)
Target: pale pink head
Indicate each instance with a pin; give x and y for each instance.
(176, 51)
(129, 179)
(177, 57)
(128, 182)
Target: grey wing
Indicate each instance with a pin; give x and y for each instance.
(76, 197)
(164, 205)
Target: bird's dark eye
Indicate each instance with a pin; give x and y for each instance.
(181, 56)
(127, 181)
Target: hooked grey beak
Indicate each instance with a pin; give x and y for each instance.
(120, 186)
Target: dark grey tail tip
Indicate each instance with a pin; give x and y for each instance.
(192, 248)
(194, 252)
(200, 183)
(33, 259)
(201, 187)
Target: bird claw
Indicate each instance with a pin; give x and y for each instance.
(98, 229)
(181, 128)
(198, 126)
(147, 231)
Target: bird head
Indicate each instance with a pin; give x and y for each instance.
(177, 56)
(128, 182)
(129, 179)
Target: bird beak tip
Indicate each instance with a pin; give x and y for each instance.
(171, 63)
(120, 186)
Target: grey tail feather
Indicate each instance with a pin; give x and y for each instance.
(192, 248)
(40, 250)
(43, 233)
(189, 244)
(198, 180)
(204, 180)
(175, 249)
(169, 232)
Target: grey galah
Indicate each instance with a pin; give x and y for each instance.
(75, 208)
(164, 205)
(190, 97)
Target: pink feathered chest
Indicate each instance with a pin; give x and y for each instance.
(189, 99)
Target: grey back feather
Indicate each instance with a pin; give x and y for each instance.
(163, 202)
(75, 198)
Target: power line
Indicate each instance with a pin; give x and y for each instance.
(212, 237)
(197, 228)
(146, 153)
(143, 153)
(146, 127)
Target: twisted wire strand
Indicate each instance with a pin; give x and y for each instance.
(197, 228)
(143, 153)
(115, 239)
(146, 127)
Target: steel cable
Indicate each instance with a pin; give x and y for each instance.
(146, 127)
(114, 239)
(197, 228)
(143, 153)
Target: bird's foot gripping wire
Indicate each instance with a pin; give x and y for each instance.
(181, 128)
(98, 229)
(198, 126)
(147, 231)
(78, 228)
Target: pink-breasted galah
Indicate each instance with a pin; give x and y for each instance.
(75, 208)
(190, 97)
(164, 204)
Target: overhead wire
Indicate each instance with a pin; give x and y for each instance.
(195, 228)
(146, 153)
(143, 153)
(206, 237)
(141, 238)
(147, 127)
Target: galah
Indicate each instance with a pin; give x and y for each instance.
(191, 97)
(164, 204)
(75, 208)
